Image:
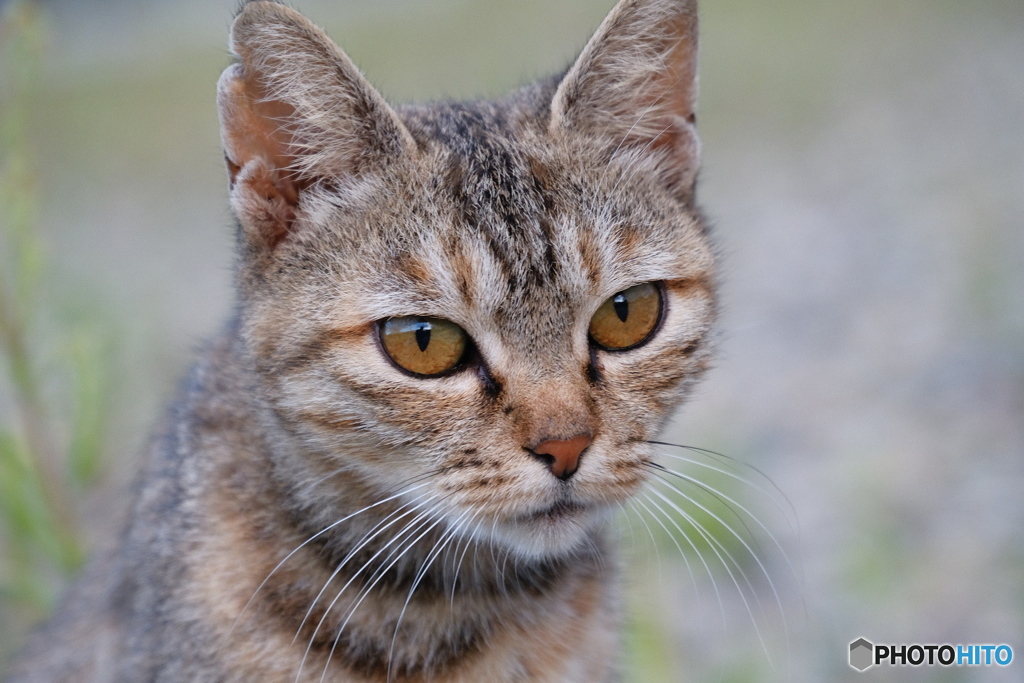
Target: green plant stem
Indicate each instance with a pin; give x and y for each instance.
(41, 452)
(19, 28)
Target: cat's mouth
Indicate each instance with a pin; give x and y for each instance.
(561, 509)
(551, 529)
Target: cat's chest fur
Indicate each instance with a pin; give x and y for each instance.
(459, 327)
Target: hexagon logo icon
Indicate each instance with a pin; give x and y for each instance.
(861, 654)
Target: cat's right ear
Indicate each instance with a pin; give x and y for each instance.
(633, 90)
(294, 109)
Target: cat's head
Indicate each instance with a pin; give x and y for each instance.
(493, 305)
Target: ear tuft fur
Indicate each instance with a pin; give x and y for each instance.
(634, 87)
(295, 105)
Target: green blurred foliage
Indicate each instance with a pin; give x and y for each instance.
(54, 381)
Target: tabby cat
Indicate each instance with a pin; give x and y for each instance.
(458, 328)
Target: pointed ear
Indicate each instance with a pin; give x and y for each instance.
(634, 88)
(294, 109)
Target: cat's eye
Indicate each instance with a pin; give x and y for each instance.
(423, 346)
(628, 318)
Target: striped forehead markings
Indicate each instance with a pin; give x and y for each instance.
(495, 192)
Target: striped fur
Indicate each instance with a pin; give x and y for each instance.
(514, 219)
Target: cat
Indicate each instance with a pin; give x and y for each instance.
(459, 326)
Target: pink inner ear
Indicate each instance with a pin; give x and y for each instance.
(254, 128)
(258, 150)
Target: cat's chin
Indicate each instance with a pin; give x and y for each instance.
(552, 531)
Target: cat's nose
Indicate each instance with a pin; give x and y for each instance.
(562, 456)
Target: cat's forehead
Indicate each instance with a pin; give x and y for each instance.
(487, 181)
(497, 226)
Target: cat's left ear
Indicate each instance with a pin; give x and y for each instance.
(295, 109)
(633, 89)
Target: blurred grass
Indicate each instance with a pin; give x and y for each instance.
(53, 384)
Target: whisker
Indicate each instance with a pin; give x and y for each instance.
(707, 568)
(494, 559)
(439, 545)
(654, 543)
(375, 531)
(793, 523)
(447, 560)
(596, 550)
(311, 539)
(729, 502)
(789, 510)
(715, 545)
(632, 531)
(366, 591)
(504, 564)
(686, 560)
(753, 554)
(470, 540)
(408, 528)
(697, 552)
(658, 470)
(774, 493)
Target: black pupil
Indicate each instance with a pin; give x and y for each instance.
(423, 335)
(621, 306)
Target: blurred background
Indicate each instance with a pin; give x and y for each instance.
(864, 171)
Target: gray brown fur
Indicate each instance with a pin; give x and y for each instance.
(515, 219)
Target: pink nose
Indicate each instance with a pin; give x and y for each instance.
(562, 455)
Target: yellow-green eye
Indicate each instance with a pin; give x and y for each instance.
(628, 318)
(424, 346)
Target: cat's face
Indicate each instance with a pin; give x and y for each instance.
(430, 297)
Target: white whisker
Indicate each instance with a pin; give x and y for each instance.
(682, 554)
(715, 545)
(311, 539)
(470, 540)
(732, 502)
(439, 545)
(375, 531)
(410, 525)
(366, 591)
(654, 543)
(788, 511)
(753, 554)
